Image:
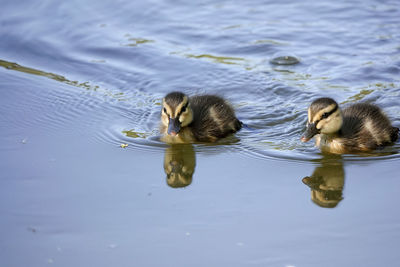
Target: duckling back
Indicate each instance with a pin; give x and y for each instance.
(365, 127)
(213, 118)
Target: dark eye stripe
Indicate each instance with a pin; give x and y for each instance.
(183, 109)
(327, 114)
(165, 111)
(331, 112)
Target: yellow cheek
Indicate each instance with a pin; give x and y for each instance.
(320, 125)
(164, 119)
(182, 117)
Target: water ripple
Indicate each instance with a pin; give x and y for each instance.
(274, 121)
(113, 74)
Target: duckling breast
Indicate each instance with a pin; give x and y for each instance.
(330, 144)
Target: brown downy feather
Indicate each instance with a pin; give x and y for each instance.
(213, 118)
(365, 127)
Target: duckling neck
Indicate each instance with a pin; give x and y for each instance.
(329, 142)
(329, 137)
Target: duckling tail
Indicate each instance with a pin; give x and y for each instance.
(238, 125)
(394, 134)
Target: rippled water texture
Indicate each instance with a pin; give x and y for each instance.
(86, 180)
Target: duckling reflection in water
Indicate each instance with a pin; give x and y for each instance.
(326, 183)
(203, 118)
(179, 165)
(358, 128)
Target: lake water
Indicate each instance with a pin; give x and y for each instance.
(78, 79)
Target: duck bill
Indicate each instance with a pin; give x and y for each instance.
(310, 132)
(174, 126)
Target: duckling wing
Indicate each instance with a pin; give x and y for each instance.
(366, 126)
(213, 118)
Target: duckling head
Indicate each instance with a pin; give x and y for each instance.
(176, 112)
(324, 116)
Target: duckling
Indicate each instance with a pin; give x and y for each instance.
(203, 118)
(360, 127)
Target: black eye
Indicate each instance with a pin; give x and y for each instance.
(165, 110)
(183, 109)
(325, 115)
